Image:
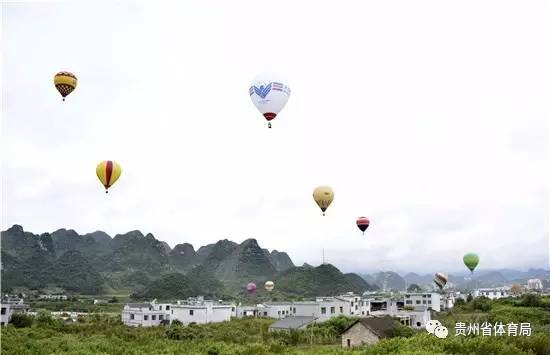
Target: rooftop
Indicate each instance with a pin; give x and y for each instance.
(292, 322)
(382, 327)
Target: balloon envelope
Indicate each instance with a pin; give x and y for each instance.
(363, 223)
(323, 195)
(108, 173)
(440, 280)
(251, 287)
(471, 260)
(269, 285)
(269, 94)
(65, 83)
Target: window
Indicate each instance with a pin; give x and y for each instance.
(154, 317)
(232, 309)
(356, 307)
(191, 312)
(417, 301)
(429, 301)
(150, 308)
(409, 302)
(424, 302)
(265, 314)
(131, 316)
(323, 310)
(352, 303)
(349, 342)
(418, 324)
(278, 313)
(407, 296)
(146, 317)
(430, 295)
(294, 310)
(341, 309)
(332, 310)
(423, 296)
(167, 308)
(161, 317)
(160, 308)
(363, 312)
(3, 310)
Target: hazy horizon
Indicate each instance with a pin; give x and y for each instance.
(431, 118)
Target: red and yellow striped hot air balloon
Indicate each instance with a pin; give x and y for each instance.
(363, 224)
(108, 173)
(65, 83)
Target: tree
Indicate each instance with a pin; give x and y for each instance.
(516, 290)
(414, 288)
(469, 298)
(460, 302)
(113, 300)
(530, 300)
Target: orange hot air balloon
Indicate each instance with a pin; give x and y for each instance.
(108, 173)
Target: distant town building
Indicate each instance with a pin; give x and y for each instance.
(293, 322)
(422, 301)
(53, 297)
(534, 284)
(368, 330)
(447, 301)
(323, 308)
(492, 293)
(355, 303)
(146, 314)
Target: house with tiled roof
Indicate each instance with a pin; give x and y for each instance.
(367, 330)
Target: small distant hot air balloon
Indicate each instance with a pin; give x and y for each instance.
(471, 260)
(440, 280)
(323, 195)
(363, 224)
(251, 287)
(65, 83)
(108, 173)
(269, 285)
(269, 95)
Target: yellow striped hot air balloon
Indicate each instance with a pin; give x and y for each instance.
(323, 196)
(108, 173)
(269, 285)
(65, 83)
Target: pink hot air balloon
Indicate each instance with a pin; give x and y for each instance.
(251, 287)
(363, 223)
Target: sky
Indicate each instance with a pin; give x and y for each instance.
(429, 117)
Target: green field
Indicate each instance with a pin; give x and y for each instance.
(104, 334)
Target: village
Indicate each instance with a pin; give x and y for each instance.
(375, 311)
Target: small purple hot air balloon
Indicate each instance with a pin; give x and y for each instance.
(251, 287)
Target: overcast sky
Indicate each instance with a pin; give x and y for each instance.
(429, 117)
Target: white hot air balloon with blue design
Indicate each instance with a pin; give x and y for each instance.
(269, 94)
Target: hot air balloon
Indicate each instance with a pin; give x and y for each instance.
(471, 260)
(440, 280)
(108, 173)
(251, 287)
(269, 95)
(363, 224)
(269, 285)
(65, 83)
(323, 195)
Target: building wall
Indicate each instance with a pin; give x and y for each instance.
(421, 301)
(157, 311)
(358, 335)
(6, 314)
(201, 314)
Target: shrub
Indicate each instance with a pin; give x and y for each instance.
(21, 320)
(530, 300)
(460, 302)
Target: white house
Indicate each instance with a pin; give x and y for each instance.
(492, 293)
(447, 301)
(200, 311)
(534, 284)
(146, 314)
(422, 301)
(275, 309)
(355, 303)
(10, 306)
